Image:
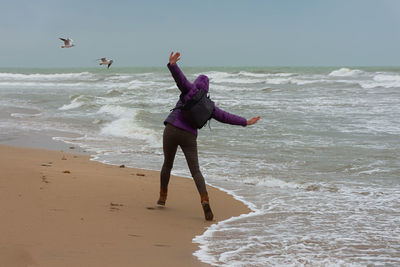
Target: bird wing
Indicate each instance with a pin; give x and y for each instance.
(103, 59)
(64, 40)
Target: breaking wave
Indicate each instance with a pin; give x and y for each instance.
(82, 76)
(345, 72)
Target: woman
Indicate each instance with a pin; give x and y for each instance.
(178, 132)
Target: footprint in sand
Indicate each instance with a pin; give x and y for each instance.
(115, 206)
(44, 179)
(132, 235)
(114, 209)
(45, 165)
(155, 208)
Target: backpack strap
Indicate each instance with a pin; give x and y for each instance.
(193, 100)
(181, 97)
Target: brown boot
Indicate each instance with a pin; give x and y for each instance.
(208, 215)
(163, 196)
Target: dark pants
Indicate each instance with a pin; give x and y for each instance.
(172, 138)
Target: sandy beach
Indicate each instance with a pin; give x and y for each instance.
(62, 209)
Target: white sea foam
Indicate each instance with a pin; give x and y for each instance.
(271, 182)
(225, 77)
(78, 101)
(262, 238)
(74, 104)
(387, 78)
(117, 111)
(278, 81)
(237, 80)
(283, 74)
(138, 83)
(345, 72)
(86, 76)
(24, 115)
(128, 127)
(383, 81)
(252, 74)
(119, 78)
(40, 85)
(216, 74)
(113, 92)
(120, 128)
(265, 75)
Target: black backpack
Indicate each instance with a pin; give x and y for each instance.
(197, 110)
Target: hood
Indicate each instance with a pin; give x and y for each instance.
(202, 82)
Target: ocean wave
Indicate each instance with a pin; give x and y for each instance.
(271, 182)
(236, 80)
(307, 81)
(262, 75)
(85, 76)
(278, 81)
(225, 77)
(216, 74)
(345, 72)
(277, 183)
(244, 77)
(300, 81)
(119, 78)
(61, 85)
(138, 84)
(290, 80)
(40, 84)
(127, 127)
(383, 81)
(252, 74)
(114, 92)
(117, 111)
(25, 115)
(78, 101)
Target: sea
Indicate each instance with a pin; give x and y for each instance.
(320, 171)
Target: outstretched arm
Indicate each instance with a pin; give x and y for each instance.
(183, 84)
(226, 117)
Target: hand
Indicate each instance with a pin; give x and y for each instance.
(253, 120)
(174, 58)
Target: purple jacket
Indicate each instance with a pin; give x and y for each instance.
(189, 89)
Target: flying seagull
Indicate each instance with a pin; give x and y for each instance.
(67, 43)
(104, 61)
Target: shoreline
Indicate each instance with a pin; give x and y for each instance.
(63, 209)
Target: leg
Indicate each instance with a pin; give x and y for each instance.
(169, 147)
(189, 148)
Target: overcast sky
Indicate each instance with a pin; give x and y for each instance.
(206, 32)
